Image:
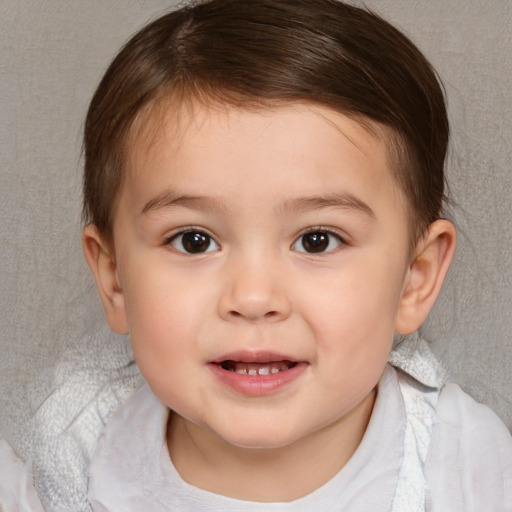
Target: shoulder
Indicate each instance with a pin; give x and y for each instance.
(136, 428)
(469, 464)
(127, 457)
(17, 492)
(462, 421)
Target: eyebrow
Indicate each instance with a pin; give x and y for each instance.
(170, 199)
(345, 201)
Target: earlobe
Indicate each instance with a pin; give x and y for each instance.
(101, 261)
(426, 275)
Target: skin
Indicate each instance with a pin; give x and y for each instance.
(253, 184)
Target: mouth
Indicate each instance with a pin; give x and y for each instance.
(257, 374)
(263, 368)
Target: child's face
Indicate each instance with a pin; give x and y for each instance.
(261, 258)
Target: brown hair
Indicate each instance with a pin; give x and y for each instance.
(259, 52)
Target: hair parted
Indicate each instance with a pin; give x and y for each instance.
(250, 53)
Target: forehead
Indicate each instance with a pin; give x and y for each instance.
(222, 149)
(174, 114)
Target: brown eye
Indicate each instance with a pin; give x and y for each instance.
(317, 242)
(194, 242)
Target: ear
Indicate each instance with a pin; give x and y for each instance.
(425, 276)
(102, 263)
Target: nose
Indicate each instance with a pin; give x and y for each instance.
(254, 290)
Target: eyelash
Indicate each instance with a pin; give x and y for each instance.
(328, 233)
(178, 237)
(319, 237)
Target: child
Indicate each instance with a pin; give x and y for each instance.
(263, 191)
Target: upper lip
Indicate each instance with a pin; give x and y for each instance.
(245, 356)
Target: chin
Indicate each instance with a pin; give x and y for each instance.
(258, 439)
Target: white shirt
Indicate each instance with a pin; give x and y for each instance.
(17, 492)
(428, 447)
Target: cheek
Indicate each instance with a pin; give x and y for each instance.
(163, 330)
(162, 308)
(357, 307)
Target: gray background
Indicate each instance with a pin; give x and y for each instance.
(52, 54)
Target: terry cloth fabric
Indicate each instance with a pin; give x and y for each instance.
(88, 384)
(417, 454)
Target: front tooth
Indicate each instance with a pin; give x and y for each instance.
(260, 368)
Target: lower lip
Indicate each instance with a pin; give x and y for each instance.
(258, 385)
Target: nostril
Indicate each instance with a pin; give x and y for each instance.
(269, 315)
(253, 305)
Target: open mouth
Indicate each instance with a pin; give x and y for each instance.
(257, 374)
(257, 368)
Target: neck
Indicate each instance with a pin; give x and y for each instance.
(266, 475)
